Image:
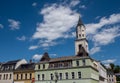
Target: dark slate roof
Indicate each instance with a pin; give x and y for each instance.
(12, 62)
(9, 66)
(27, 66)
(110, 72)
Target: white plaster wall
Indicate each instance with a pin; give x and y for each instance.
(6, 80)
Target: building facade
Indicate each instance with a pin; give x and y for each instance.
(102, 73)
(6, 71)
(79, 68)
(25, 73)
(111, 78)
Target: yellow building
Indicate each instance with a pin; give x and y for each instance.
(24, 73)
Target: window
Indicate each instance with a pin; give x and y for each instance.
(26, 76)
(38, 66)
(80, 46)
(82, 35)
(21, 76)
(10, 76)
(83, 62)
(0, 77)
(79, 75)
(51, 76)
(43, 76)
(38, 77)
(77, 63)
(43, 66)
(17, 77)
(66, 74)
(73, 75)
(6, 76)
(79, 35)
(60, 76)
(30, 76)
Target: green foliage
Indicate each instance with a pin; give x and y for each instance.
(115, 68)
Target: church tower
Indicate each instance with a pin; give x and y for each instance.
(81, 41)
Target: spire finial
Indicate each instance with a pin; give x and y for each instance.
(80, 21)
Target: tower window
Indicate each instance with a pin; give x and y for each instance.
(82, 35)
(79, 35)
(80, 46)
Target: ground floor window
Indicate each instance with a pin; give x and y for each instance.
(73, 75)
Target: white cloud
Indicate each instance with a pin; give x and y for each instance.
(37, 57)
(74, 2)
(58, 23)
(106, 36)
(101, 33)
(1, 26)
(109, 61)
(94, 50)
(13, 24)
(82, 6)
(23, 38)
(34, 4)
(92, 28)
(33, 47)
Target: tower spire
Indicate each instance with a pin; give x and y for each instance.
(80, 22)
(81, 40)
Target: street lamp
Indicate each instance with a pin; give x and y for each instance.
(56, 77)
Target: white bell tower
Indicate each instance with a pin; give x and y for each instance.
(81, 40)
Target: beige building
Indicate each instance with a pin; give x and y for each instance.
(25, 73)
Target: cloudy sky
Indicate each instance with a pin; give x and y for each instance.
(28, 28)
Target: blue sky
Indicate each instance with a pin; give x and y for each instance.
(28, 28)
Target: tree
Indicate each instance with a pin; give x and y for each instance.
(112, 66)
